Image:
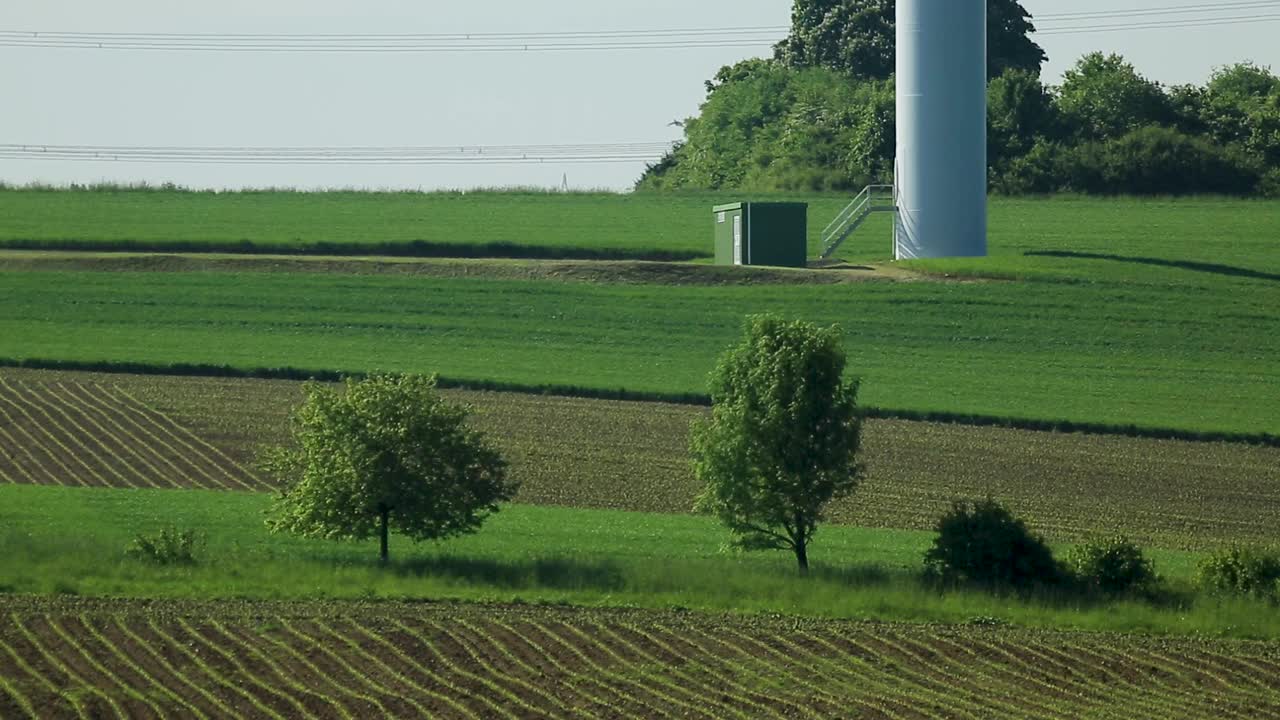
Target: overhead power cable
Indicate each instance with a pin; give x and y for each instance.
(404, 43)
(354, 155)
(1228, 5)
(1185, 16)
(1180, 24)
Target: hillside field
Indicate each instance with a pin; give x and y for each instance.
(597, 593)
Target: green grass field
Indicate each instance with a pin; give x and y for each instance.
(1198, 355)
(1161, 314)
(534, 554)
(548, 223)
(1208, 230)
(1124, 312)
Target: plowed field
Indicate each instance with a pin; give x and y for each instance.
(91, 434)
(119, 659)
(634, 456)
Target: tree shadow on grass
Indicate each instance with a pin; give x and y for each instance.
(858, 575)
(1192, 265)
(554, 573)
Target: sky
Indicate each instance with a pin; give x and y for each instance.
(62, 96)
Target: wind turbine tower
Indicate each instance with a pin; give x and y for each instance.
(940, 173)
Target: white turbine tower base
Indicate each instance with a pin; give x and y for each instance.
(941, 167)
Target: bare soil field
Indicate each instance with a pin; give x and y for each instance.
(93, 434)
(81, 658)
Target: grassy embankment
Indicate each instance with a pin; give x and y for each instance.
(552, 555)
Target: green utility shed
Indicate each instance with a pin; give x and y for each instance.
(762, 233)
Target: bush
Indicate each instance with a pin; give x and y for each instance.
(1269, 185)
(1112, 565)
(170, 546)
(1243, 571)
(986, 544)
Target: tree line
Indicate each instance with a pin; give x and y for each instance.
(819, 116)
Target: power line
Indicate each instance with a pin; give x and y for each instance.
(403, 43)
(1171, 10)
(1182, 24)
(1187, 16)
(353, 155)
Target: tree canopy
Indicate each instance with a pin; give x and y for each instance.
(386, 454)
(783, 436)
(857, 37)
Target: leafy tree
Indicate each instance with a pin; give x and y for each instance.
(849, 36)
(1112, 565)
(783, 436)
(857, 37)
(1103, 97)
(777, 128)
(1242, 106)
(387, 454)
(1009, 43)
(1020, 111)
(739, 71)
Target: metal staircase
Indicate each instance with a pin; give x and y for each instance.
(873, 199)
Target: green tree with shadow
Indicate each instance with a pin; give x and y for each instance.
(384, 454)
(783, 436)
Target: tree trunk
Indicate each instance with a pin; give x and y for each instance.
(802, 555)
(386, 515)
(800, 541)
